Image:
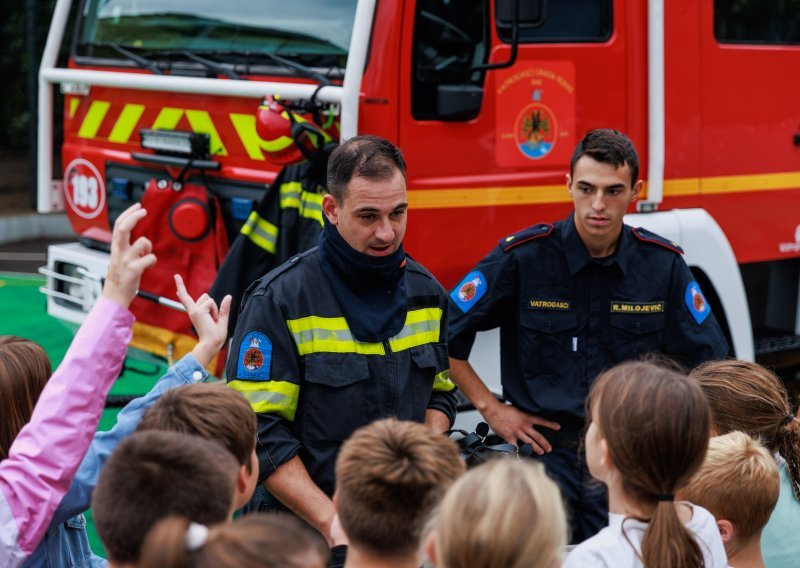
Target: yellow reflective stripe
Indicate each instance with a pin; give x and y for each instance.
(308, 204)
(314, 334)
(261, 232)
(245, 126)
(93, 120)
(201, 122)
(272, 397)
(74, 103)
(126, 123)
(422, 326)
(311, 206)
(168, 118)
(442, 382)
(290, 194)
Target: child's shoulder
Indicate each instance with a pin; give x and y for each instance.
(603, 550)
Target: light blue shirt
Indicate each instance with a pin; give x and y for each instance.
(780, 546)
(65, 544)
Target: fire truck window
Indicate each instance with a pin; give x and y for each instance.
(568, 21)
(450, 36)
(757, 21)
(312, 32)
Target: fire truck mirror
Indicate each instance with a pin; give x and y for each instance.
(458, 102)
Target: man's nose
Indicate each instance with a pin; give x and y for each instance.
(598, 201)
(384, 232)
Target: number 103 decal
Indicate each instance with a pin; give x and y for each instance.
(84, 189)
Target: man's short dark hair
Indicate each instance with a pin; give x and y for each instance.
(366, 156)
(154, 474)
(211, 411)
(607, 146)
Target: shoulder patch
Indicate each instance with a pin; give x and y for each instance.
(255, 357)
(471, 289)
(649, 237)
(696, 302)
(526, 235)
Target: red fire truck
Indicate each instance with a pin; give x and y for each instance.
(487, 98)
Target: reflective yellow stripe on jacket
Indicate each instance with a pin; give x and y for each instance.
(263, 233)
(314, 334)
(276, 397)
(308, 204)
(442, 382)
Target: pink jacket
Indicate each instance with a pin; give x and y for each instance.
(47, 452)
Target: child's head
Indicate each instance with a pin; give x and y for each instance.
(155, 474)
(739, 484)
(502, 513)
(216, 413)
(648, 436)
(257, 541)
(747, 397)
(24, 371)
(389, 477)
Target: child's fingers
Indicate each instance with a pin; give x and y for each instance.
(141, 247)
(143, 263)
(125, 224)
(225, 307)
(183, 294)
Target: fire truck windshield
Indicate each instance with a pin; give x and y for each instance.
(313, 32)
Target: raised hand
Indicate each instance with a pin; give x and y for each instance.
(128, 261)
(210, 322)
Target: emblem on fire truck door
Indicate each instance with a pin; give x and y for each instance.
(535, 114)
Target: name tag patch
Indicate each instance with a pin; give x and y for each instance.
(558, 305)
(255, 357)
(637, 307)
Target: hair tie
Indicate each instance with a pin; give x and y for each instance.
(788, 420)
(196, 536)
(666, 497)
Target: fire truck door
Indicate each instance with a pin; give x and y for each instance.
(504, 137)
(751, 125)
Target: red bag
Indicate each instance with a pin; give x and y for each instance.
(187, 230)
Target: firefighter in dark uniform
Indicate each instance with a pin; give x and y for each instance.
(348, 332)
(572, 299)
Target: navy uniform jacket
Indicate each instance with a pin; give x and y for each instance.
(565, 317)
(312, 384)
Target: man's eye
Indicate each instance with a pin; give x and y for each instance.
(399, 213)
(613, 192)
(368, 217)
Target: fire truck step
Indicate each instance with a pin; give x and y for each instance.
(779, 351)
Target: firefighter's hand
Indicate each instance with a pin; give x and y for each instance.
(128, 261)
(210, 322)
(513, 425)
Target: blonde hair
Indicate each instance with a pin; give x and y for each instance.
(738, 482)
(503, 513)
(748, 397)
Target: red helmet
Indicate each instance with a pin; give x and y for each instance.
(286, 137)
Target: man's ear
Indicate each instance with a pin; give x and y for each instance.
(569, 184)
(330, 208)
(430, 547)
(637, 190)
(726, 530)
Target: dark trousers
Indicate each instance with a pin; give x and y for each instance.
(585, 497)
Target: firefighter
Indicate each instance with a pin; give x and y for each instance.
(572, 299)
(348, 332)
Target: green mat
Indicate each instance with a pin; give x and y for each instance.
(23, 312)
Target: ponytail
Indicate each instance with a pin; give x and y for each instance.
(789, 449)
(667, 543)
(165, 545)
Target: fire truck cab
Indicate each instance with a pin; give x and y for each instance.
(486, 98)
